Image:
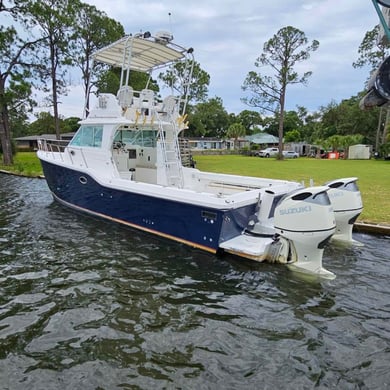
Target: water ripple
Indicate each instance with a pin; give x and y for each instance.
(90, 305)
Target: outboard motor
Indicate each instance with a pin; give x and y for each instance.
(306, 219)
(262, 221)
(347, 204)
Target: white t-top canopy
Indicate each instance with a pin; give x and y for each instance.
(138, 53)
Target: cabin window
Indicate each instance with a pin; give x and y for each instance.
(88, 136)
(145, 138)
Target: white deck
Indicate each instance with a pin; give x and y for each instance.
(251, 247)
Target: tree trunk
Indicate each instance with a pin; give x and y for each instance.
(87, 88)
(281, 122)
(86, 107)
(5, 133)
(56, 117)
(5, 136)
(385, 127)
(54, 91)
(378, 130)
(55, 109)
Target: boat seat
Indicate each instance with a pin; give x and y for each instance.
(169, 105)
(146, 98)
(125, 96)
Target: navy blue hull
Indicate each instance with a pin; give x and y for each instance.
(191, 224)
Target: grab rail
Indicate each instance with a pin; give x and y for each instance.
(49, 144)
(53, 146)
(57, 149)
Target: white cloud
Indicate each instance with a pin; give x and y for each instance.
(228, 36)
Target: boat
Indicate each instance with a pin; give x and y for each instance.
(125, 164)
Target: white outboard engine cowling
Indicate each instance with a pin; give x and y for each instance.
(305, 218)
(347, 204)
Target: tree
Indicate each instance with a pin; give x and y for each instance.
(346, 118)
(93, 30)
(281, 53)
(16, 66)
(109, 81)
(235, 130)
(44, 124)
(209, 119)
(312, 127)
(292, 136)
(291, 121)
(372, 51)
(198, 85)
(271, 124)
(71, 125)
(249, 119)
(20, 103)
(55, 20)
(335, 142)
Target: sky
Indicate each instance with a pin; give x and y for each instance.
(228, 36)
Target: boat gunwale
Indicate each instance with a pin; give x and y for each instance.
(184, 195)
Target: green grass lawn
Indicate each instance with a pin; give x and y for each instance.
(374, 175)
(25, 163)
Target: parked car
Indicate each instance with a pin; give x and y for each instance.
(290, 154)
(269, 152)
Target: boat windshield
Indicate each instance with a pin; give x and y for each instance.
(146, 138)
(90, 136)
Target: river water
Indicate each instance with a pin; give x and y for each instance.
(86, 304)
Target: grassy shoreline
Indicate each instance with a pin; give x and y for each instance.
(374, 175)
(25, 164)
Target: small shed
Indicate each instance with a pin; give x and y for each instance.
(359, 152)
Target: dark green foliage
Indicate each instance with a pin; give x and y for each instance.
(18, 62)
(93, 29)
(109, 81)
(198, 85)
(45, 124)
(209, 119)
(249, 119)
